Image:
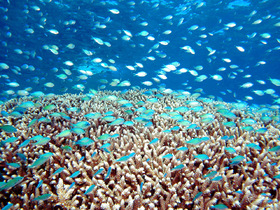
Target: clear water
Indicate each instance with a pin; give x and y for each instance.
(26, 25)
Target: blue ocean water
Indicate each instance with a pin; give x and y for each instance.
(237, 40)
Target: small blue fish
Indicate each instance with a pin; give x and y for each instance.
(115, 135)
(230, 150)
(247, 128)
(274, 149)
(98, 172)
(10, 140)
(40, 161)
(219, 206)
(106, 150)
(78, 131)
(277, 176)
(14, 165)
(197, 196)
(93, 154)
(253, 146)
(43, 141)
(167, 156)
(192, 126)
(32, 122)
(44, 119)
(261, 130)
(47, 155)
(67, 148)
(109, 113)
(125, 158)
(141, 186)
(37, 138)
(82, 124)
(73, 109)
(22, 157)
(64, 133)
(148, 124)
(238, 158)
(13, 182)
(8, 128)
(128, 123)
(42, 197)
(194, 141)
(118, 121)
(82, 158)
(49, 107)
(182, 148)
(104, 137)
(40, 184)
(179, 167)
(109, 118)
(105, 145)
(175, 128)
(131, 155)
(211, 174)
(204, 138)
(8, 206)
(217, 178)
(154, 141)
(75, 174)
(108, 173)
(85, 142)
(201, 157)
(89, 189)
(72, 185)
(93, 115)
(58, 171)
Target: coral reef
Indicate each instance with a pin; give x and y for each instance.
(161, 151)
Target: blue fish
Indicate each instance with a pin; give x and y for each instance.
(108, 173)
(25, 143)
(42, 197)
(179, 167)
(40, 161)
(168, 156)
(40, 184)
(154, 141)
(22, 157)
(182, 148)
(105, 145)
(8, 206)
(89, 189)
(217, 178)
(75, 174)
(201, 157)
(72, 185)
(125, 158)
(197, 196)
(98, 172)
(58, 171)
(141, 186)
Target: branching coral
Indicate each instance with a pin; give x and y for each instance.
(151, 164)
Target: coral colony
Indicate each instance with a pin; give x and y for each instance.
(138, 150)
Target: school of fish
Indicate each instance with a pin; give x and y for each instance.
(65, 46)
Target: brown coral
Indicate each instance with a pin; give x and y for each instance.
(145, 181)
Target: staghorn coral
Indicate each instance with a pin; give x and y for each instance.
(143, 180)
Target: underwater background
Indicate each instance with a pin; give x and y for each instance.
(227, 50)
(145, 104)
